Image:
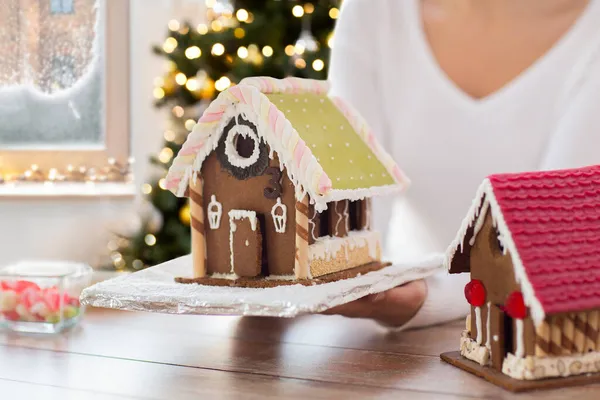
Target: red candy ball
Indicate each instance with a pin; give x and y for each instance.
(475, 293)
(515, 306)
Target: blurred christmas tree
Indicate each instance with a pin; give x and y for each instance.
(275, 38)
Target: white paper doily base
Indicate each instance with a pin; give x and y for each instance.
(155, 290)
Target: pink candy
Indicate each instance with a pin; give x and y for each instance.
(26, 301)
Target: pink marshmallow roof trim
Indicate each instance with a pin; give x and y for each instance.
(302, 166)
(549, 223)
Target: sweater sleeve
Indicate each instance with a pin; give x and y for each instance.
(353, 77)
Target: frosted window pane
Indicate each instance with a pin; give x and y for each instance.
(51, 73)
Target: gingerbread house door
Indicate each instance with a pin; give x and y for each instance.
(245, 245)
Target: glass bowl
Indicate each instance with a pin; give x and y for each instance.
(42, 296)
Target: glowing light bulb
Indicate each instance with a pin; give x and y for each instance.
(174, 25)
(298, 11)
(165, 155)
(290, 50)
(242, 52)
(239, 33)
(222, 83)
(146, 188)
(159, 93)
(180, 78)
(318, 65)
(169, 136)
(162, 183)
(150, 239)
(178, 111)
(193, 52)
(216, 26)
(300, 63)
(334, 13)
(218, 49)
(202, 29)
(190, 124)
(267, 51)
(241, 15)
(192, 84)
(170, 45)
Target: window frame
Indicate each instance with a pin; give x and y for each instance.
(116, 117)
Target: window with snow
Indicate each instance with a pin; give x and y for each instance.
(51, 73)
(61, 6)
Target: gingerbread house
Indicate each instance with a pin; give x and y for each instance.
(531, 242)
(279, 175)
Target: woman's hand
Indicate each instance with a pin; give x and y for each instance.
(393, 308)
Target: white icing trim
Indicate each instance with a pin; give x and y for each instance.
(520, 350)
(327, 247)
(487, 327)
(478, 326)
(234, 215)
(230, 148)
(485, 193)
(540, 367)
(218, 275)
(340, 216)
(281, 277)
(480, 222)
(215, 211)
(280, 221)
(311, 222)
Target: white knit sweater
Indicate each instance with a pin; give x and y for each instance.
(446, 141)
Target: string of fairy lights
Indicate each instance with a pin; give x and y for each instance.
(220, 16)
(113, 171)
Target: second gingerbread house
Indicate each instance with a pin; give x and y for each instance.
(531, 243)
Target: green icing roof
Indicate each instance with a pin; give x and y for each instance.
(344, 156)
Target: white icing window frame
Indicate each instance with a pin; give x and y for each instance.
(116, 121)
(214, 213)
(279, 220)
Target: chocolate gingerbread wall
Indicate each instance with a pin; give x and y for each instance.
(252, 194)
(495, 270)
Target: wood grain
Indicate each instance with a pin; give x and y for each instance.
(152, 356)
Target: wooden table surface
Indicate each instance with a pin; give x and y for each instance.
(125, 355)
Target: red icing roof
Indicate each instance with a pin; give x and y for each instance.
(554, 221)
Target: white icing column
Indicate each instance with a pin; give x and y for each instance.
(487, 327)
(478, 326)
(520, 350)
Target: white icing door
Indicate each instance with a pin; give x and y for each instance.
(245, 243)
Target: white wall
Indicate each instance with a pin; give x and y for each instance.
(78, 229)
